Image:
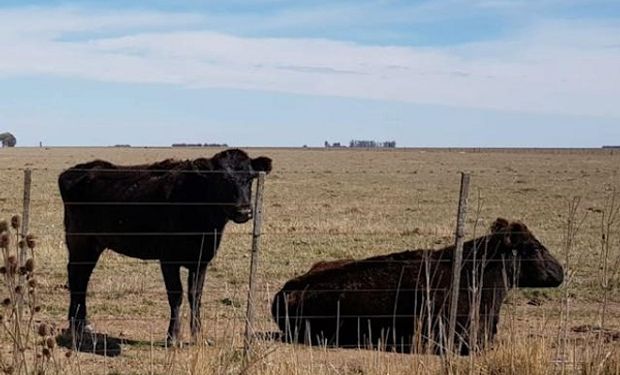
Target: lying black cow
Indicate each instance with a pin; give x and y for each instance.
(172, 211)
(381, 302)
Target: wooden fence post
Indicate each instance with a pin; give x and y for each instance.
(23, 250)
(256, 232)
(457, 260)
(26, 214)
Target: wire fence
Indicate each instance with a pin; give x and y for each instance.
(230, 290)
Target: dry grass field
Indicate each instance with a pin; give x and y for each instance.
(329, 204)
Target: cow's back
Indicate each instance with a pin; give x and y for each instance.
(73, 182)
(135, 210)
(100, 180)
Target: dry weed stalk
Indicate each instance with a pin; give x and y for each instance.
(605, 361)
(33, 344)
(608, 265)
(573, 225)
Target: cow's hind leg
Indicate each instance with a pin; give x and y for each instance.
(195, 283)
(174, 289)
(83, 255)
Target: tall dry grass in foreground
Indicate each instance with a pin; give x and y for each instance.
(517, 352)
(524, 356)
(31, 342)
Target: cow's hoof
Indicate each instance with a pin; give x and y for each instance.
(174, 343)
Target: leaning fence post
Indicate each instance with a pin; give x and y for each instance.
(457, 259)
(258, 220)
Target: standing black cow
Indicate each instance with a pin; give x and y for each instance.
(388, 301)
(172, 211)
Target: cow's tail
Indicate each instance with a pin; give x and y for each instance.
(67, 180)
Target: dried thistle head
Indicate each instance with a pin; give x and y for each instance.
(31, 241)
(11, 265)
(15, 222)
(30, 265)
(11, 260)
(5, 239)
(44, 330)
(46, 352)
(50, 342)
(2, 270)
(19, 289)
(4, 226)
(6, 302)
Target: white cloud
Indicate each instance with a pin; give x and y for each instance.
(555, 67)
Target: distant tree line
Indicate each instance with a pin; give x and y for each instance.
(363, 144)
(333, 145)
(199, 145)
(371, 144)
(611, 146)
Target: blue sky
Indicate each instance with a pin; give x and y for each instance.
(279, 73)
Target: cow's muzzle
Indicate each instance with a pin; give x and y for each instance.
(242, 214)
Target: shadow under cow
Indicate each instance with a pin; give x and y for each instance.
(91, 342)
(102, 344)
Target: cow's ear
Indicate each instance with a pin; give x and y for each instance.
(218, 161)
(501, 228)
(499, 225)
(262, 164)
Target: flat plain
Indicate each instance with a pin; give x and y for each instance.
(325, 204)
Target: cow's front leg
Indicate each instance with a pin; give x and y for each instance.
(195, 283)
(83, 256)
(174, 289)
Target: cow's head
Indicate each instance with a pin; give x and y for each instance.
(235, 171)
(525, 259)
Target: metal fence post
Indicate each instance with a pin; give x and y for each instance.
(256, 232)
(457, 259)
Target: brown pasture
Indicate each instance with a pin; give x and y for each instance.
(322, 204)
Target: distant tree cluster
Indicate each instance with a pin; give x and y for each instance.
(371, 144)
(8, 140)
(611, 146)
(199, 145)
(333, 145)
(362, 144)
(122, 146)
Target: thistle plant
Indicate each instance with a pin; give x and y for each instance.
(32, 344)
